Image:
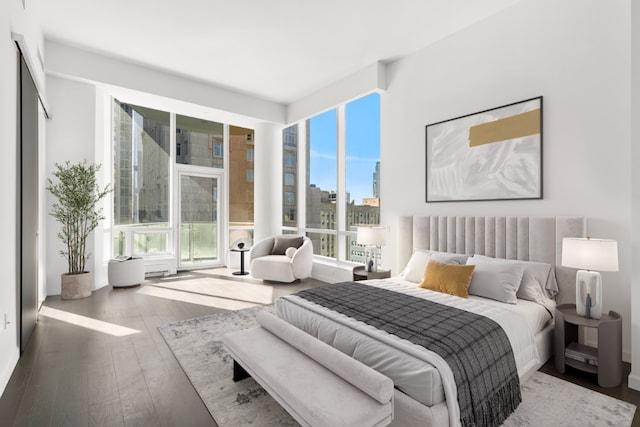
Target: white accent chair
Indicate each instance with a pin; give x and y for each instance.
(293, 265)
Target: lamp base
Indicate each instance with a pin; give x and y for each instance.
(589, 292)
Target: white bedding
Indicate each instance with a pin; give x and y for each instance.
(419, 373)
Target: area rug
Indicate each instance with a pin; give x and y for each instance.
(196, 343)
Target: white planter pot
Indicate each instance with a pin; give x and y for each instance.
(75, 286)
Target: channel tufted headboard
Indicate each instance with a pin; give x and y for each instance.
(523, 238)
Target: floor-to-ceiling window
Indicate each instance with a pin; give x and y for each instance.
(141, 180)
(169, 174)
(321, 215)
(341, 191)
(362, 170)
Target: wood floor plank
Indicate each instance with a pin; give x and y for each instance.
(175, 399)
(71, 405)
(102, 385)
(37, 404)
(134, 395)
(144, 418)
(107, 413)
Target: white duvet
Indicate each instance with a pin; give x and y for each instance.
(403, 361)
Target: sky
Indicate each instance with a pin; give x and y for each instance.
(362, 147)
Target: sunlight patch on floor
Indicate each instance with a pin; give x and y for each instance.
(209, 301)
(87, 322)
(221, 288)
(173, 277)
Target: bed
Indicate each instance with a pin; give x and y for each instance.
(425, 391)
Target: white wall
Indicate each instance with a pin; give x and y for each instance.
(267, 180)
(634, 377)
(576, 53)
(8, 85)
(13, 18)
(71, 135)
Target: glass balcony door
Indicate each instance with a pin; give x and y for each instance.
(199, 211)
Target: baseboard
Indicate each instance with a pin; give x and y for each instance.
(634, 381)
(7, 371)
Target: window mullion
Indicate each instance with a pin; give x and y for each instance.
(303, 185)
(341, 196)
(173, 214)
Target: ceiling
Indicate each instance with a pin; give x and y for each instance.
(278, 50)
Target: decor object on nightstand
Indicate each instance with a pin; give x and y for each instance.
(371, 236)
(589, 254)
(77, 193)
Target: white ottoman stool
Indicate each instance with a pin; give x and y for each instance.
(126, 273)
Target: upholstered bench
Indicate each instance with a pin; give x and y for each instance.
(317, 384)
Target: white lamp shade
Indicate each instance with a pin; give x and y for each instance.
(371, 236)
(590, 254)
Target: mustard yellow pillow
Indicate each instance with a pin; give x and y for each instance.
(450, 279)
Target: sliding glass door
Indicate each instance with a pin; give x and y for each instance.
(199, 215)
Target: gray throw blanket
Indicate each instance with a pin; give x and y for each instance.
(476, 348)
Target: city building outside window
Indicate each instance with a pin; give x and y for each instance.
(241, 186)
(196, 140)
(289, 180)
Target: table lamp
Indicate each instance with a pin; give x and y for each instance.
(371, 236)
(588, 255)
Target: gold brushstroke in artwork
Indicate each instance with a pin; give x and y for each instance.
(517, 126)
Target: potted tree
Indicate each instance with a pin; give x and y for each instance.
(77, 194)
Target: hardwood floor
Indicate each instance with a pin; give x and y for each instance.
(74, 376)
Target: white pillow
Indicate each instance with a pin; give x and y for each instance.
(290, 252)
(414, 271)
(496, 280)
(538, 280)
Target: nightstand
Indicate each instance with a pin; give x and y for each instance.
(361, 273)
(605, 360)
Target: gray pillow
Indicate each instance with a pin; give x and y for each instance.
(281, 244)
(496, 280)
(538, 280)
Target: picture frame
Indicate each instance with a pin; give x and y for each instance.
(495, 154)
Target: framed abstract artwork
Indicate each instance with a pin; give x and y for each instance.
(494, 154)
